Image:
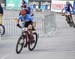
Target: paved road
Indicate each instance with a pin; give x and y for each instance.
(60, 44)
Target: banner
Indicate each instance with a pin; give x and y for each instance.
(57, 6)
(27, 1)
(14, 4)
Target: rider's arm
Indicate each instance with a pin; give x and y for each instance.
(71, 6)
(19, 18)
(18, 22)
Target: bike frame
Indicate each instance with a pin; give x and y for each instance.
(26, 32)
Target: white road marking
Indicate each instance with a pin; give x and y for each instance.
(5, 56)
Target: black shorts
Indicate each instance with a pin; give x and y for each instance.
(27, 23)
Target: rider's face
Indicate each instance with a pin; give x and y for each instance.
(23, 15)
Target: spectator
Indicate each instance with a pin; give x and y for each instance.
(34, 6)
(23, 4)
(1, 14)
(46, 7)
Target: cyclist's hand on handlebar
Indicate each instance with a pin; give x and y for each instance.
(18, 26)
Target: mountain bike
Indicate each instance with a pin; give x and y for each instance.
(69, 19)
(25, 40)
(2, 29)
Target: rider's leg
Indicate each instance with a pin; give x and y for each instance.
(72, 22)
(30, 34)
(67, 19)
(29, 27)
(71, 17)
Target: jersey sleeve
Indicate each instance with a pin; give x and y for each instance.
(20, 17)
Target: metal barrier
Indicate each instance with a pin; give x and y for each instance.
(10, 27)
(49, 23)
(44, 24)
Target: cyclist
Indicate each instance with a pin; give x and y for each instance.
(67, 8)
(29, 12)
(27, 22)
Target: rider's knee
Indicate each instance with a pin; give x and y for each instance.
(30, 27)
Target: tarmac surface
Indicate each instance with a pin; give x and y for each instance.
(60, 44)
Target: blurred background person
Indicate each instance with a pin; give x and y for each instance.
(1, 13)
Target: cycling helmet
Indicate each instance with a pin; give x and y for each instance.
(23, 12)
(67, 2)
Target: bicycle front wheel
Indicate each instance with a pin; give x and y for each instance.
(2, 29)
(20, 44)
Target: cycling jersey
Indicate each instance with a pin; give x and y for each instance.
(27, 17)
(67, 8)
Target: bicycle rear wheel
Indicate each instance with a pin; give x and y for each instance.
(20, 44)
(31, 46)
(71, 23)
(2, 29)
